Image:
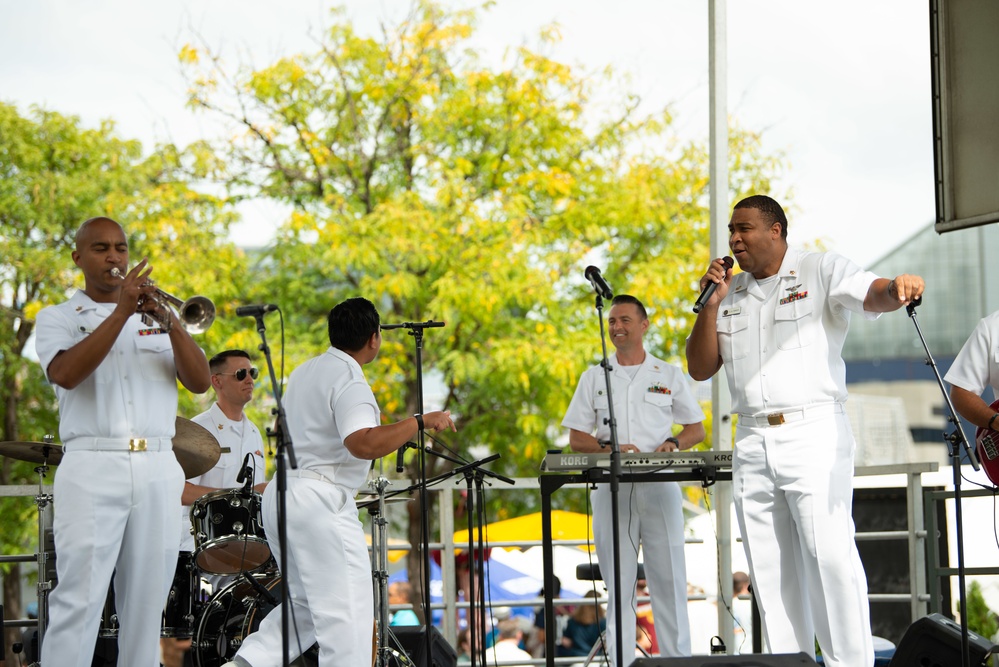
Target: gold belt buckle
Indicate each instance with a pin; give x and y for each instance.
(137, 445)
(775, 418)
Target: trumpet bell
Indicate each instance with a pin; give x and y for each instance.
(197, 314)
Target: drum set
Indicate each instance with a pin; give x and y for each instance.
(230, 549)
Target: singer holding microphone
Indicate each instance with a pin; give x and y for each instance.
(778, 329)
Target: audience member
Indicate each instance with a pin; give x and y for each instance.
(583, 629)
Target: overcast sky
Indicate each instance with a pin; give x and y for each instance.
(842, 88)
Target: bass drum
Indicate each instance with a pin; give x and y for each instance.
(234, 613)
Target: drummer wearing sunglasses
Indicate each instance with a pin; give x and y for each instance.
(232, 380)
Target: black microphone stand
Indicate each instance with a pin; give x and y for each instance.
(615, 484)
(956, 441)
(474, 473)
(416, 331)
(284, 448)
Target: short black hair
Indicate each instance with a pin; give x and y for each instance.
(351, 324)
(216, 363)
(627, 298)
(770, 209)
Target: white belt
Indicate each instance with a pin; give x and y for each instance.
(310, 474)
(306, 473)
(784, 416)
(119, 445)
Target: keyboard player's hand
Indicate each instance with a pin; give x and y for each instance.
(629, 448)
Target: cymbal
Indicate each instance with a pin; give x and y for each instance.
(34, 452)
(388, 501)
(195, 447)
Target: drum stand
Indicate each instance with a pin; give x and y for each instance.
(44, 586)
(384, 653)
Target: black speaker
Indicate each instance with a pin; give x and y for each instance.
(413, 640)
(935, 641)
(782, 660)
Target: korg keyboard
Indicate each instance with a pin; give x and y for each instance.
(685, 460)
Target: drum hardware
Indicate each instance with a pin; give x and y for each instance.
(45, 453)
(196, 314)
(384, 653)
(44, 503)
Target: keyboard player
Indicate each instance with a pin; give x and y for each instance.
(650, 398)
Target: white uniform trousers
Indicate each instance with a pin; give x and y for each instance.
(793, 491)
(114, 511)
(329, 578)
(651, 515)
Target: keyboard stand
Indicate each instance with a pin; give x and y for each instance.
(551, 482)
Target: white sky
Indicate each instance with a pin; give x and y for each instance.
(842, 88)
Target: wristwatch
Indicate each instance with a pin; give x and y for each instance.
(674, 441)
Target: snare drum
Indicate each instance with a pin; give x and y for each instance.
(229, 532)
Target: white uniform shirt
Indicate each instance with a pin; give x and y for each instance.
(645, 407)
(782, 348)
(327, 400)
(131, 394)
(977, 364)
(239, 438)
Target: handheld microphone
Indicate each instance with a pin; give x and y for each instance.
(710, 288)
(600, 285)
(255, 310)
(245, 471)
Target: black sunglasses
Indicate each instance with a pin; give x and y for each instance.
(240, 375)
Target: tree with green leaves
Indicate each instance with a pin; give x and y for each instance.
(54, 174)
(981, 619)
(441, 187)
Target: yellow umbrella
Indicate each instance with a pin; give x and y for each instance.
(565, 526)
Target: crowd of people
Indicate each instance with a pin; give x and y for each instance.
(776, 328)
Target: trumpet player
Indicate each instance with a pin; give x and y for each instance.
(119, 483)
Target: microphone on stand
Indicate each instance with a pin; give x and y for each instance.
(400, 457)
(255, 310)
(245, 476)
(429, 324)
(600, 285)
(710, 288)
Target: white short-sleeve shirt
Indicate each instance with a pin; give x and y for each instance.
(236, 439)
(132, 393)
(782, 344)
(977, 364)
(645, 406)
(327, 400)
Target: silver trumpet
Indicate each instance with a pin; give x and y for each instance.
(196, 314)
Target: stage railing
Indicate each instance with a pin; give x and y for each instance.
(919, 505)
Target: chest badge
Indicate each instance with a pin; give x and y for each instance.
(659, 388)
(794, 295)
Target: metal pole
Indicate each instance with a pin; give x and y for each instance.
(721, 400)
